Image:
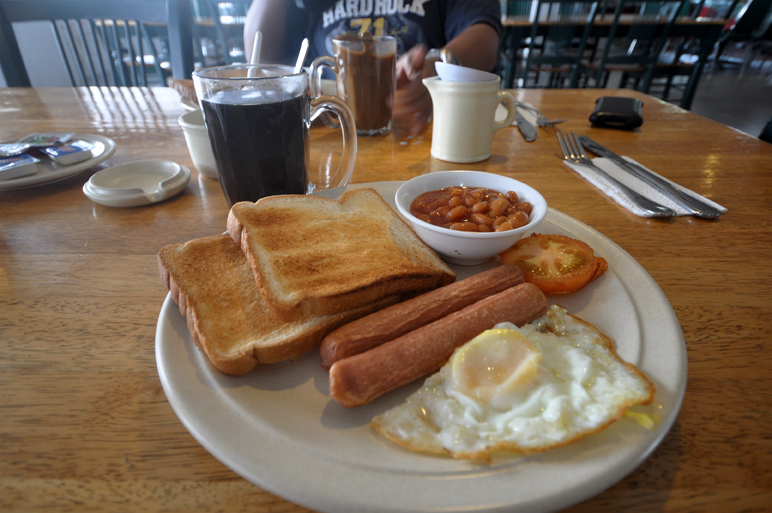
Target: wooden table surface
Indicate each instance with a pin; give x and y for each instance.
(85, 425)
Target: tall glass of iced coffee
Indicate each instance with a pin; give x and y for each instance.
(364, 68)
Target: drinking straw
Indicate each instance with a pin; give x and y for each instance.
(302, 56)
(255, 54)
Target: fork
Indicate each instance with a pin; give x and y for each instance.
(573, 151)
(541, 119)
(551, 128)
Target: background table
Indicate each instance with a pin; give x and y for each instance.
(85, 426)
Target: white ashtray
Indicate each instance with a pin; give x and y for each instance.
(137, 183)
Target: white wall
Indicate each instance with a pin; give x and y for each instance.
(37, 44)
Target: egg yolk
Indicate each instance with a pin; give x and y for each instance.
(494, 364)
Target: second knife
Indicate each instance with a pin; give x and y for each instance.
(526, 127)
(693, 205)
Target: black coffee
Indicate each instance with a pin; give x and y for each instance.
(259, 142)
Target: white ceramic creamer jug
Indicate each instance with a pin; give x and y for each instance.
(465, 118)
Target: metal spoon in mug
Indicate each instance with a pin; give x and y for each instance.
(255, 59)
(301, 56)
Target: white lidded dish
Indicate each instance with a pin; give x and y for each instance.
(197, 139)
(137, 183)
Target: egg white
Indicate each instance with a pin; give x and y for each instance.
(579, 387)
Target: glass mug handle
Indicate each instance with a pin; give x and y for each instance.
(506, 97)
(323, 106)
(317, 67)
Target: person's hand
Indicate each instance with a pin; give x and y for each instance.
(412, 99)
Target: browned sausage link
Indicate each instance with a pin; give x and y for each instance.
(375, 329)
(359, 379)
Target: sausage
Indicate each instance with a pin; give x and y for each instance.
(375, 329)
(359, 379)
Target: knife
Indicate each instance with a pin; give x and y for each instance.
(526, 127)
(695, 206)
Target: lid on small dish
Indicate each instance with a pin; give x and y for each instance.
(137, 183)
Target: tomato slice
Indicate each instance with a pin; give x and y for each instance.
(555, 263)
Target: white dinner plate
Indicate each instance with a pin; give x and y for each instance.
(277, 427)
(50, 172)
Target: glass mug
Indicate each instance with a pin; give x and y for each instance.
(365, 70)
(258, 118)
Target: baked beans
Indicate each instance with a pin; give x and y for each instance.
(472, 209)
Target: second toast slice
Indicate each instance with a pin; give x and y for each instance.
(211, 282)
(316, 256)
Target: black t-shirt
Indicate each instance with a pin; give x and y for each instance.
(432, 22)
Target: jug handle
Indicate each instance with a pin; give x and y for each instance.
(507, 98)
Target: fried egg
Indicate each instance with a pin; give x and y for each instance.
(545, 385)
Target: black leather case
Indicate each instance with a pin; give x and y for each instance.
(617, 112)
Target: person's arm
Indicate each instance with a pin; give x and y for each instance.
(476, 47)
(270, 18)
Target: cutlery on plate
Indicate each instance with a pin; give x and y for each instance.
(573, 152)
(694, 205)
(526, 127)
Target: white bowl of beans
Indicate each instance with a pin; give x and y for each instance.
(469, 217)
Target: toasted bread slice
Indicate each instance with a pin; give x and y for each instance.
(214, 286)
(317, 256)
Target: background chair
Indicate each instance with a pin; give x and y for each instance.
(680, 54)
(557, 42)
(103, 43)
(514, 37)
(741, 31)
(636, 37)
(157, 36)
(761, 46)
(229, 17)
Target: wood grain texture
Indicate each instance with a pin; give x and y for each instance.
(85, 425)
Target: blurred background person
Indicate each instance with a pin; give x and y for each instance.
(470, 29)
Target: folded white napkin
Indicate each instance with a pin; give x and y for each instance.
(602, 183)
